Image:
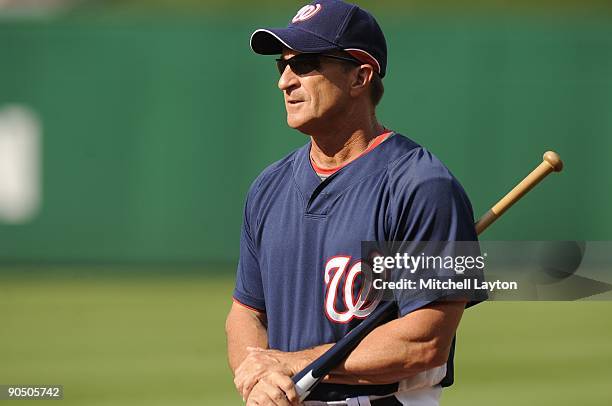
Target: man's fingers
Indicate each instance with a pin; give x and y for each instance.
(244, 384)
(276, 390)
(238, 385)
(259, 365)
(252, 401)
(247, 376)
(288, 387)
(274, 394)
(248, 386)
(245, 381)
(239, 376)
(238, 381)
(264, 394)
(285, 385)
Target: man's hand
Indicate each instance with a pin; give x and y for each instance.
(274, 389)
(260, 363)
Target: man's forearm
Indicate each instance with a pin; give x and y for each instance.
(387, 355)
(394, 351)
(372, 362)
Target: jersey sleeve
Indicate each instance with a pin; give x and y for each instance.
(249, 289)
(430, 206)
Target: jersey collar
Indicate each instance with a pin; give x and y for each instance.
(316, 192)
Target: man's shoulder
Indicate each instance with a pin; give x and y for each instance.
(409, 161)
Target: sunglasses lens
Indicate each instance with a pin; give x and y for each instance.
(305, 65)
(300, 64)
(281, 64)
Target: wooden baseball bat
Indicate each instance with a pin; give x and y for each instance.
(551, 162)
(306, 380)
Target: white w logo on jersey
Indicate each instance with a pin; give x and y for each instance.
(359, 307)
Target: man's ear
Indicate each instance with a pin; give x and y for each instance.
(361, 79)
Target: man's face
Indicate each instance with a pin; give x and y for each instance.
(315, 99)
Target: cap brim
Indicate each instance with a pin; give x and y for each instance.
(271, 41)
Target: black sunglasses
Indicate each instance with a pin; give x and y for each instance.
(302, 64)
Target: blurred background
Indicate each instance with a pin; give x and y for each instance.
(130, 132)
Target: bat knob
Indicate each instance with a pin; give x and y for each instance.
(554, 160)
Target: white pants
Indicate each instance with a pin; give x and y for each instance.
(419, 397)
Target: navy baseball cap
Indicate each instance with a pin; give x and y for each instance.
(327, 25)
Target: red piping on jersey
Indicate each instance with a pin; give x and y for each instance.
(327, 172)
(248, 307)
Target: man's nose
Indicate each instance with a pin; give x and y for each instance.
(288, 79)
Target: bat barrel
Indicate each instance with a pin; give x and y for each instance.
(551, 162)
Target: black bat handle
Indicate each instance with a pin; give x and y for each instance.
(307, 379)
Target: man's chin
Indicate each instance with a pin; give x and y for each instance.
(297, 124)
(308, 126)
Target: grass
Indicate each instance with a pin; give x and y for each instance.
(140, 340)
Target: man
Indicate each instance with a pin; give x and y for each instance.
(306, 215)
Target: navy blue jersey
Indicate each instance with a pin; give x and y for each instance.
(301, 239)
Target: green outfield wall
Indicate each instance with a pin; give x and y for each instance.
(152, 129)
